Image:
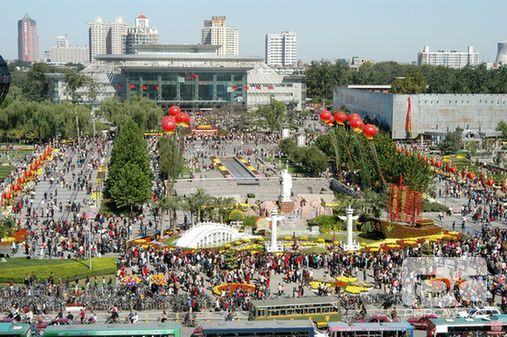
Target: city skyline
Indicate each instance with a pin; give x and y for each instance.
(325, 29)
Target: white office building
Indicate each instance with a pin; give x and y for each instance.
(63, 53)
(216, 33)
(448, 58)
(281, 49)
(141, 34)
(116, 36)
(97, 35)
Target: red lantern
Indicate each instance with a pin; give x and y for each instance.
(357, 125)
(352, 117)
(42, 157)
(369, 131)
(8, 195)
(453, 170)
(438, 164)
(28, 173)
(490, 182)
(470, 175)
(340, 117)
(325, 115)
(33, 167)
(15, 187)
(330, 121)
(37, 162)
(168, 124)
(182, 119)
(174, 110)
(399, 149)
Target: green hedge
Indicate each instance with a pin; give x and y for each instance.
(15, 269)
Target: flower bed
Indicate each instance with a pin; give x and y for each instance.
(248, 165)
(399, 231)
(220, 166)
(232, 287)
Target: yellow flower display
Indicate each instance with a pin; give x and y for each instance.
(346, 279)
(356, 289)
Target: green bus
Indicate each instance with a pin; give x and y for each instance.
(168, 329)
(15, 330)
(320, 310)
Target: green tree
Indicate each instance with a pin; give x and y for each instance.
(502, 127)
(313, 161)
(413, 83)
(171, 162)
(129, 187)
(196, 202)
(453, 142)
(169, 205)
(129, 180)
(221, 207)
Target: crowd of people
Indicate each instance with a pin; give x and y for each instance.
(61, 228)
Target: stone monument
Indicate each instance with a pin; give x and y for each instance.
(273, 245)
(351, 244)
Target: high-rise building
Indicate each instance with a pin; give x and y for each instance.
(64, 53)
(142, 33)
(281, 49)
(28, 40)
(116, 36)
(98, 32)
(448, 58)
(501, 55)
(216, 33)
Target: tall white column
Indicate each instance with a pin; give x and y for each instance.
(349, 218)
(273, 247)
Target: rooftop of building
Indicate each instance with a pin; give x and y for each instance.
(176, 48)
(177, 57)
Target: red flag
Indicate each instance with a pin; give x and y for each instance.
(144, 87)
(270, 87)
(234, 88)
(156, 87)
(195, 76)
(258, 87)
(246, 87)
(408, 120)
(132, 86)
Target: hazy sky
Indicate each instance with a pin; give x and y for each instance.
(378, 29)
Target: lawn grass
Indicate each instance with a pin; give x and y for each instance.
(15, 269)
(5, 171)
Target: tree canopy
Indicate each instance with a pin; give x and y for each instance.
(322, 76)
(129, 176)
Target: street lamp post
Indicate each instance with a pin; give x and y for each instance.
(169, 124)
(89, 245)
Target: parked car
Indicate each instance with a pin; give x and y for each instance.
(484, 312)
(421, 323)
(377, 319)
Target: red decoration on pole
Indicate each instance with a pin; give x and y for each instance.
(490, 182)
(370, 131)
(168, 124)
(325, 115)
(132, 86)
(182, 119)
(330, 121)
(340, 117)
(144, 87)
(174, 110)
(470, 175)
(352, 117)
(357, 125)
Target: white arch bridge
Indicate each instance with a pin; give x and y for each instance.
(209, 234)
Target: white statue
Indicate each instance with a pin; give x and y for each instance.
(350, 245)
(286, 189)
